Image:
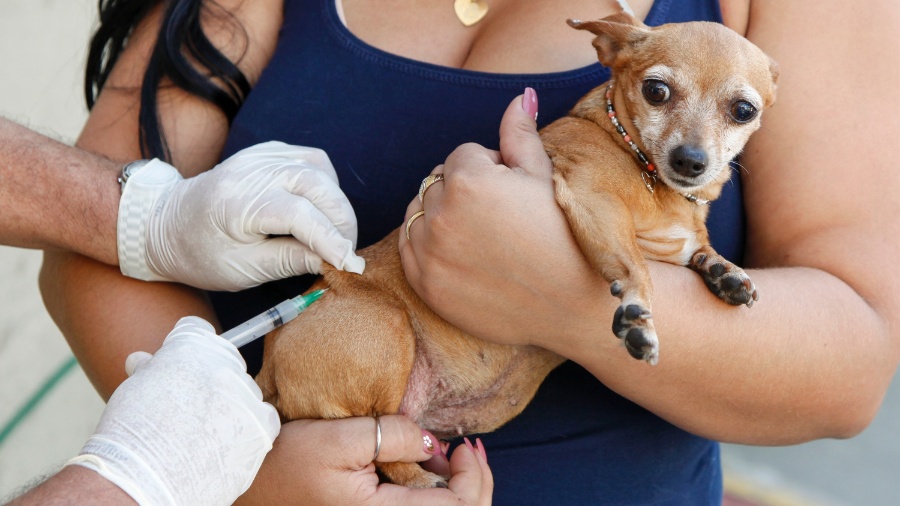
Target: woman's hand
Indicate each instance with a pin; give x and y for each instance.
(330, 462)
(494, 222)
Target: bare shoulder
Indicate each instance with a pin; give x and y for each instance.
(244, 30)
(735, 14)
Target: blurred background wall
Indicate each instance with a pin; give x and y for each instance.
(42, 50)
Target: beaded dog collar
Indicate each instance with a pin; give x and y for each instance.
(648, 174)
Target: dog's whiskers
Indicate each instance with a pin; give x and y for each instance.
(738, 166)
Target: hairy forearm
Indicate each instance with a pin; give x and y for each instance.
(811, 359)
(56, 196)
(74, 485)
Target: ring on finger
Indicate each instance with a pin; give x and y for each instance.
(377, 438)
(410, 221)
(428, 181)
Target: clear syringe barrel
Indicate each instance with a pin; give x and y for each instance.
(262, 324)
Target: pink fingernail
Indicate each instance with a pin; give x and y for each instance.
(469, 444)
(481, 449)
(431, 443)
(530, 103)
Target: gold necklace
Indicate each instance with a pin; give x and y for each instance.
(470, 12)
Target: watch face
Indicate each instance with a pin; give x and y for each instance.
(132, 167)
(129, 170)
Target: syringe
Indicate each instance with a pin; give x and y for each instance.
(270, 320)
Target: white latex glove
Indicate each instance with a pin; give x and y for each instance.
(214, 231)
(188, 427)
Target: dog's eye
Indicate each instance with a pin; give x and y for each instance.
(742, 111)
(656, 92)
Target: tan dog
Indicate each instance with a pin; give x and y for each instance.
(692, 93)
(370, 346)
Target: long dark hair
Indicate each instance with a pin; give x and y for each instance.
(183, 54)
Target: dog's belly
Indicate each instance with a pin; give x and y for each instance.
(371, 346)
(475, 392)
(673, 243)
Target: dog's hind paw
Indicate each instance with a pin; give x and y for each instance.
(726, 280)
(410, 475)
(632, 323)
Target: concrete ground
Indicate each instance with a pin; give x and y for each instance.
(42, 47)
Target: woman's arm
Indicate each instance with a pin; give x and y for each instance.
(91, 302)
(814, 357)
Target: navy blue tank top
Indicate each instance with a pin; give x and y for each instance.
(386, 122)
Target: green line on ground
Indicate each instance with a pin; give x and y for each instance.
(36, 398)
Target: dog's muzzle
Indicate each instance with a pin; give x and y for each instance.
(688, 161)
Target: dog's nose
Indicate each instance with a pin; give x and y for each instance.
(687, 160)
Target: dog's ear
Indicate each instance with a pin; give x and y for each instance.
(773, 71)
(614, 33)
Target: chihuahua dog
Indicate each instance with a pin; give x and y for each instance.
(690, 94)
(633, 173)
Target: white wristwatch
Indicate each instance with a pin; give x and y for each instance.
(143, 182)
(128, 170)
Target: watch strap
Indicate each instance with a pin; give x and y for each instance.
(142, 188)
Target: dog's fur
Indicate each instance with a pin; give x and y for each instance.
(370, 346)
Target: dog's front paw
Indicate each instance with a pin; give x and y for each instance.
(632, 323)
(726, 280)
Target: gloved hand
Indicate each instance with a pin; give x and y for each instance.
(213, 231)
(188, 427)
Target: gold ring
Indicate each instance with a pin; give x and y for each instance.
(428, 181)
(410, 221)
